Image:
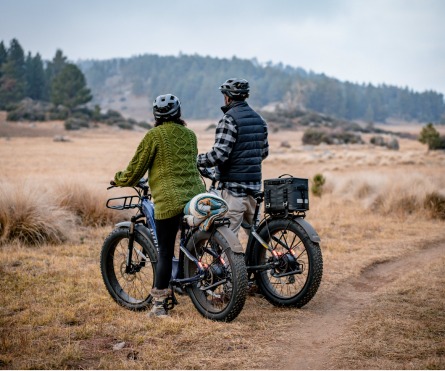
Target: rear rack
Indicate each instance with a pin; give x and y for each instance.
(124, 203)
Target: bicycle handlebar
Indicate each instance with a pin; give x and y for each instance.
(142, 185)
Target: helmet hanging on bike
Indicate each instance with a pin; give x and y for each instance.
(166, 107)
(237, 89)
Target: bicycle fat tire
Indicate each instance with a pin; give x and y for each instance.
(231, 295)
(132, 291)
(293, 290)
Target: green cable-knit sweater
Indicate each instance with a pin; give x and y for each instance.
(168, 152)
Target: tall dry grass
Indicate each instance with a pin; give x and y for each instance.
(34, 214)
(87, 202)
(390, 194)
(29, 214)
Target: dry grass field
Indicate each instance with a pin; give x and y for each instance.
(380, 304)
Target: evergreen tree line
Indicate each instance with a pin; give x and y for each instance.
(58, 81)
(195, 80)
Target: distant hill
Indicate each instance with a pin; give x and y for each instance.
(130, 84)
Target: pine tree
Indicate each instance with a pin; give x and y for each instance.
(69, 88)
(53, 69)
(3, 56)
(13, 80)
(35, 78)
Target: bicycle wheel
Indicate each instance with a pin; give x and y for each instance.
(131, 290)
(294, 282)
(221, 294)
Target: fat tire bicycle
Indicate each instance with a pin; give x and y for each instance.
(210, 266)
(282, 256)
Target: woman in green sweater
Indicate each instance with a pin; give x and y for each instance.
(168, 152)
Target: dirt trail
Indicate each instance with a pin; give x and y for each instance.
(319, 333)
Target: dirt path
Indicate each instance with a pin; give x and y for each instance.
(319, 333)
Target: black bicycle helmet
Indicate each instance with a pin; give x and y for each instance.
(166, 107)
(237, 89)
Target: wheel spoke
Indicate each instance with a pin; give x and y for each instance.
(289, 285)
(132, 289)
(217, 298)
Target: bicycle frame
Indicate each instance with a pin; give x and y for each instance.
(146, 210)
(254, 235)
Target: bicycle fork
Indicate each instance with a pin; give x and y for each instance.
(129, 268)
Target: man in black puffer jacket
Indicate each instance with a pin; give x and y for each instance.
(240, 147)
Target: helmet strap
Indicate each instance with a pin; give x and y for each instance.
(227, 100)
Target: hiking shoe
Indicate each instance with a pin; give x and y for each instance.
(159, 300)
(158, 311)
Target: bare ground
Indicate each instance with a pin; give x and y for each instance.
(315, 339)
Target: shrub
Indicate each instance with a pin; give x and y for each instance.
(317, 185)
(59, 113)
(74, 123)
(316, 136)
(87, 204)
(430, 136)
(145, 125)
(393, 144)
(124, 125)
(111, 117)
(435, 203)
(377, 140)
(29, 215)
(439, 144)
(29, 110)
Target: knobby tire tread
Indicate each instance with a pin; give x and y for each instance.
(239, 271)
(119, 234)
(316, 265)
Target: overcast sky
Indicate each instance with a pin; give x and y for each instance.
(397, 42)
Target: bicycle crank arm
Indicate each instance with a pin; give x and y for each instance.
(297, 271)
(260, 268)
(216, 284)
(186, 281)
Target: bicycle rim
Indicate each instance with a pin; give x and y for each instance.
(216, 296)
(287, 243)
(130, 289)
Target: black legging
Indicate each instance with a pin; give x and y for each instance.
(166, 230)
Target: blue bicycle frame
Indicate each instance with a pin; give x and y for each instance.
(148, 210)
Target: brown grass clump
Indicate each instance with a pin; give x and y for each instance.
(87, 203)
(435, 203)
(29, 215)
(34, 215)
(390, 194)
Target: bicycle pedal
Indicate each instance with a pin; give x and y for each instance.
(170, 303)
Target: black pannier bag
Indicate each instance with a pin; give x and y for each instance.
(285, 194)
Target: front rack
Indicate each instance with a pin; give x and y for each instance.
(124, 202)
